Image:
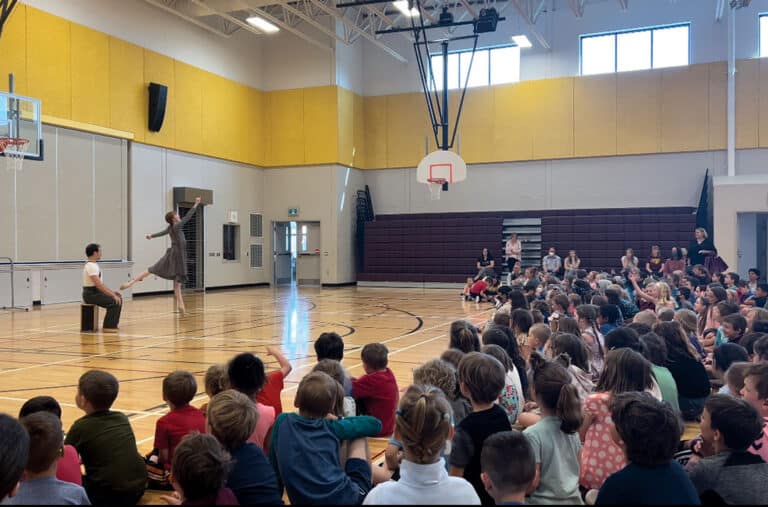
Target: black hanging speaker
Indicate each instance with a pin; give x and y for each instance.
(158, 95)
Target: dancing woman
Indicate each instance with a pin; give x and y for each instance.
(172, 265)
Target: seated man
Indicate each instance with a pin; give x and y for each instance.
(551, 263)
(96, 293)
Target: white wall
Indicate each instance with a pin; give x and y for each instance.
(747, 251)
(608, 182)
(291, 62)
(384, 75)
(349, 63)
(237, 58)
(348, 182)
(154, 174)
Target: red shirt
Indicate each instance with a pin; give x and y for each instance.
(478, 287)
(68, 467)
(379, 394)
(175, 425)
(270, 393)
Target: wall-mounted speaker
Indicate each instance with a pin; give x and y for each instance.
(158, 96)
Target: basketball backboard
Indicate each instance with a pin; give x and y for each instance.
(441, 164)
(20, 117)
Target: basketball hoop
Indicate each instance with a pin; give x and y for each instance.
(435, 186)
(17, 148)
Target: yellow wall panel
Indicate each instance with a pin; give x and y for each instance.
(160, 69)
(718, 110)
(189, 107)
(684, 115)
(512, 117)
(346, 122)
(553, 122)
(13, 50)
(763, 104)
(90, 75)
(476, 126)
(358, 145)
(321, 128)
(127, 106)
(594, 116)
(747, 103)
(407, 129)
(220, 130)
(253, 135)
(48, 62)
(284, 123)
(376, 113)
(638, 112)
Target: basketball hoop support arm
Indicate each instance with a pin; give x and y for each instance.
(444, 119)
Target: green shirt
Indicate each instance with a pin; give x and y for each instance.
(558, 456)
(667, 385)
(107, 446)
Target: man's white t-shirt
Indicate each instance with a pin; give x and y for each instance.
(90, 269)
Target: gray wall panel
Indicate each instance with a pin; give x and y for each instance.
(76, 190)
(108, 198)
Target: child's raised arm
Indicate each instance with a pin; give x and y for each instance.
(285, 365)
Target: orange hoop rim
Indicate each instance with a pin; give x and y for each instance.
(437, 181)
(12, 141)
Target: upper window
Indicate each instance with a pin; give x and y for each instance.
(763, 34)
(491, 66)
(651, 48)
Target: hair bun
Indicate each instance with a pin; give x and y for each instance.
(537, 361)
(563, 358)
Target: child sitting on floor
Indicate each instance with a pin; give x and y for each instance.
(200, 469)
(511, 398)
(555, 438)
(68, 466)
(732, 475)
(649, 432)
(115, 473)
(231, 419)
(331, 346)
(246, 374)
(376, 392)
(481, 378)
(273, 385)
(40, 485)
(423, 425)
(337, 372)
(314, 435)
(14, 448)
(509, 467)
(466, 291)
(755, 392)
(216, 380)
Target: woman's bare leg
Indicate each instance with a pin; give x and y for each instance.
(136, 280)
(179, 297)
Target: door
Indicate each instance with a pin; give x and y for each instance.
(283, 265)
(308, 265)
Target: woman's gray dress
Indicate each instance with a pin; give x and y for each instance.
(173, 265)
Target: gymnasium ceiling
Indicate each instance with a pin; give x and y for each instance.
(225, 17)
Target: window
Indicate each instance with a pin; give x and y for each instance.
(763, 35)
(491, 66)
(652, 48)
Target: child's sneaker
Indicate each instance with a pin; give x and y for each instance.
(477, 299)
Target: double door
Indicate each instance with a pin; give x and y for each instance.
(297, 254)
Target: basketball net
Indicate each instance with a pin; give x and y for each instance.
(435, 186)
(14, 159)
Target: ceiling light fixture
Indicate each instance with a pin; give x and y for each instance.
(522, 41)
(402, 6)
(262, 24)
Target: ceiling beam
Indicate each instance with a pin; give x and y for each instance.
(624, 4)
(319, 26)
(577, 6)
(332, 11)
(190, 19)
(526, 12)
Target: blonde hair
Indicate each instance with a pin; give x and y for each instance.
(232, 417)
(688, 320)
(319, 395)
(423, 422)
(664, 292)
(216, 379)
(703, 231)
(438, 373)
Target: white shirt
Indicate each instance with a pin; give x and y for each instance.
(423, 485)
(90, 269)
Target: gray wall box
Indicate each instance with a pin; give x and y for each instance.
(189, 194)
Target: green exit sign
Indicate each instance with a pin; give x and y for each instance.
(293, 212)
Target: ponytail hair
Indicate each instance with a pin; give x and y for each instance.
(464, 337)
(554, 391)
(423, 422)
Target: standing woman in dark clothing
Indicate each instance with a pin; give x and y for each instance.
(701, 246)
(172, 265)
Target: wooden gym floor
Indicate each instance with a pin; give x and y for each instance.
(43, 351)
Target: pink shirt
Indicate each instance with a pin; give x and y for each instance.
(600, 456)
(68, 467)
(265, 422)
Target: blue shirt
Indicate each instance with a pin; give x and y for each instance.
(252, 478)
(48, 491)
(649, 485)
(305, 454)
